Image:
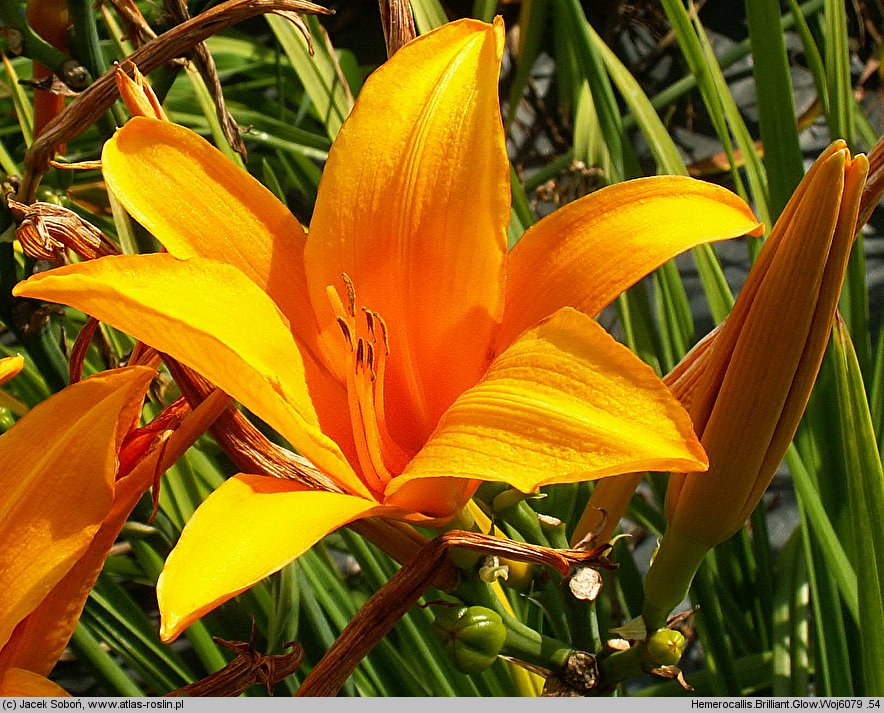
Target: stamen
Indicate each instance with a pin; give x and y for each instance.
(369, 320)
(360, 348)
(379, 455)
(351, 294)
(369, 360)
(374, 478)
(383, 333)
(338, 306)
(346, 331)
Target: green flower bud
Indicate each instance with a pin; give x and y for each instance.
(665, 647)
(472, 636)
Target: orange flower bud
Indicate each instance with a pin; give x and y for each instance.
(50, 20)
(748, 390)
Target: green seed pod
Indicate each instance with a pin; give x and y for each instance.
(472, 636)
(665, 647)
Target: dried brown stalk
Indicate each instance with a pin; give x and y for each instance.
(248, 668)
(88, 107)
(429, 568)
(248, 448)
(205, 65)
(398, 23)
(137, 29)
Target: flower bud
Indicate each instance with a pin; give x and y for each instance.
(49, 19)
(747, 388)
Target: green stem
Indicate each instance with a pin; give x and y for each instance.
(33, 46)
(85, 37)
(579, 616)
(484, 9)
(87, 47)
(524, 520)
(669, 578)
(527, 645)
(522, 642)
(622, 665)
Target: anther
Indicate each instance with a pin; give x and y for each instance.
(369, 360)
(383, 332)
(351, 294)
(360, 352)
(369, 320)
(346, 331)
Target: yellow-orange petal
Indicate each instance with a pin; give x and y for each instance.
(199, 203)
(212, 318)
(245, 530)
(564, 403)
(435, 505)
(413, 206)
(20, 683)
(587, 253)
(56, 484)
(10, 366)
(39, 640)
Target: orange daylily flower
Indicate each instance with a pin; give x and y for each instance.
(72, 470)
(54, 501)
(398, 347)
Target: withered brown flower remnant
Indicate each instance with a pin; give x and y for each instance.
(46, 231)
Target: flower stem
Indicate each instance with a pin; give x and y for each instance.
(669, 578)
(622, 665)
(32, 45)
(522, 642)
